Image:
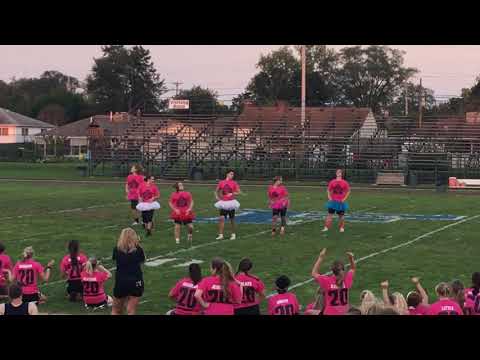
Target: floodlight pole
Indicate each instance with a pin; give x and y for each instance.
(303, 91)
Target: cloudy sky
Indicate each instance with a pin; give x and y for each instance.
(227, 68)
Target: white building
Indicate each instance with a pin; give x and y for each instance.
(17, 129)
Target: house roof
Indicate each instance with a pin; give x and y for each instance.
(79, 128)
(8, 117)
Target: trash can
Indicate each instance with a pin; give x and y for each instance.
(82, 170)
(412, 179)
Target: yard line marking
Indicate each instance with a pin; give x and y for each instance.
(390, 248)
(62, 211)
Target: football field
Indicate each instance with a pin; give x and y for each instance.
(395, 234)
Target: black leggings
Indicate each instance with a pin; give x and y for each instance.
(147, 216)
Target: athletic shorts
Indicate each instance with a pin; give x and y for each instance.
(337, 207)
(281, 212)
(31, 298)
(147, 216)
(251, 310)
(333, 211)
(128, 287)
(229, 213)
(181, 222)
(133, 204)
(74, 287)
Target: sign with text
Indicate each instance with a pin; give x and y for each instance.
(176, 104)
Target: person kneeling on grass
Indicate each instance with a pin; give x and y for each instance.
(181, 203)
(93, 279)
(148, 194)
(71, 268)
(284, 303)
(183, 293)
(16, 306)
(27, 272)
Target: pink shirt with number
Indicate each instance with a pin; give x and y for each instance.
(472, 301)
(338, 189)
(184, 293)
(73, 272)
(228, 187)
(133, 183)
(445, 307)
(93, 290)
(26, 272)
(277, 196)
(283, 304)
(336, 298)
(214, 294)
(251, 286)
(5, 264)
(148, 191)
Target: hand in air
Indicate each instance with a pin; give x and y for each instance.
(384, 284)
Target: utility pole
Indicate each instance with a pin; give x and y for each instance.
(420, 105)
(177, 84)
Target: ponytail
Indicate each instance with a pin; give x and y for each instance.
(226, 277)
(73, 249)
(91, 265)
(195, 273)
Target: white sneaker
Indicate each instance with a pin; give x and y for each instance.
(325, 229)
(177, 241)
(219, 237)
(342, 230)
(233, 237)
(135, 223)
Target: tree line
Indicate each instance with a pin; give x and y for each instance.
(125, 79)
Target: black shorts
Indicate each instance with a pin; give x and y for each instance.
(128, 287)
(333, 211)
(251, 310)
(133, 204)
(96, 306)
(147, 216)
(74, 287)
(281, 212)
(229, 213)
(182, 222)
(31, 298)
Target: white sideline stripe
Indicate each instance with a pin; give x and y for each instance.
(62, 211)
(390, 249)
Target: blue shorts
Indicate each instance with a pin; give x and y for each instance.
(336, 207)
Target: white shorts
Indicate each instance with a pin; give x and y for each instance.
(147, 206)
(227, 205)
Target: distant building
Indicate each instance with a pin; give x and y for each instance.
(17, 129)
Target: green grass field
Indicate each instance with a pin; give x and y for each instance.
(40, 214)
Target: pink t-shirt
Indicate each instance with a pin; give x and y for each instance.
(251, 286)
(148, 192)
(336, 298)
(5, 264)
(73, 272)
(184, 292)
(228, 187)
(26, 272)
(182, 201)
(283, 304)
(419, 310)
(213, 293)
(445, 307)
(93, 291)
(277, 196)
(133, 182)
(338, 189)
(472, 301)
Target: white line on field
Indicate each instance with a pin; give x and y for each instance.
(391, 248)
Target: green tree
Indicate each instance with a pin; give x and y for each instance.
(372, 77)
(125, 79)
(413, 93)
(202, 101)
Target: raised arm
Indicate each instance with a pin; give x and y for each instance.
(351, 259)
(102, 268)
(316, 266)
(386, 298)
(421, 290)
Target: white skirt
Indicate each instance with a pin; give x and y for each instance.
(147, 206)
(227, 205)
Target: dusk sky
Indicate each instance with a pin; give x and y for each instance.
(227, 68)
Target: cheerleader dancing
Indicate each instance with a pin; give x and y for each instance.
(338, 192)
(181, 203)
(226, 203)
(148, 194)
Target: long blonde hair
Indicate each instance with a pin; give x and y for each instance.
(224, 270)
(368, 299)
(399, 303)
(128, 240)
(90, 266)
